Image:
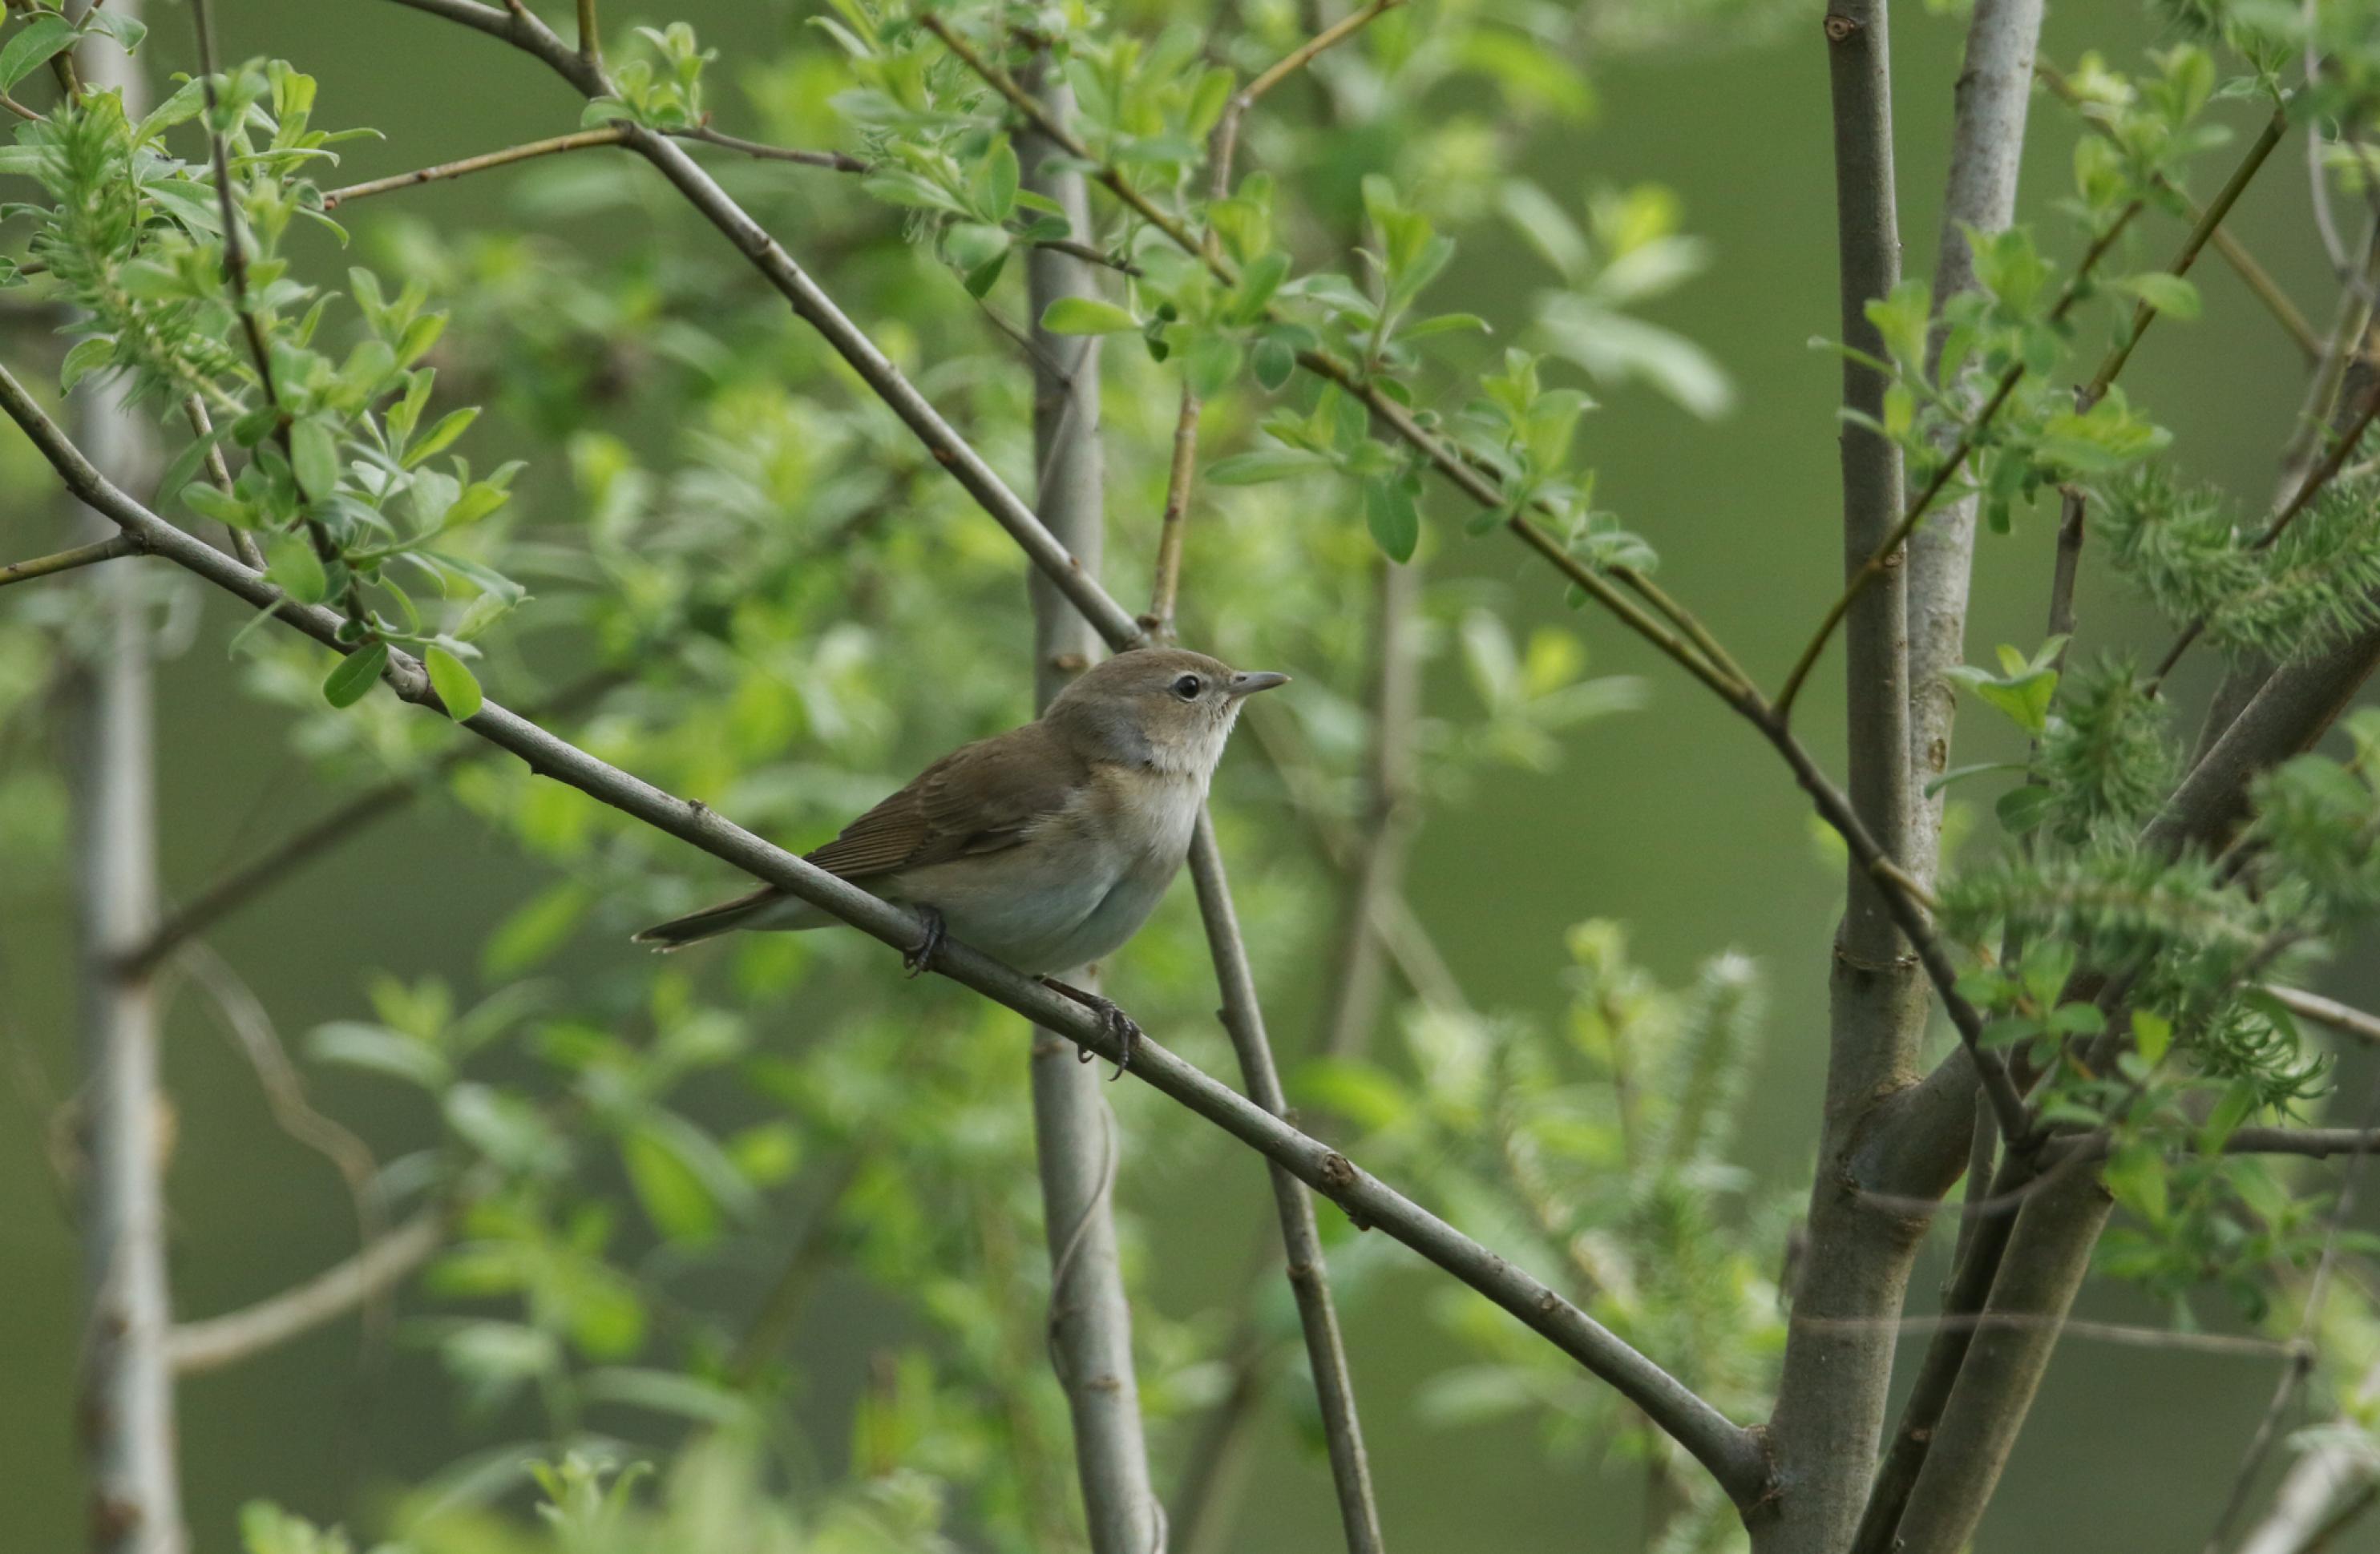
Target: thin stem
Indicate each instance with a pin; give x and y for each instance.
(243, 544)
(235, 888)
(2323, 474)
(2199, 232)
(591, 36)
(1880, 560)
(114, 545)
(608, 135)
(836, 162)
(235, 270)
(216, 1342)
(1172, 523)
(1308, 1272)
(2330, 1011)
(805, 1262)
(1731, 1454)
(1089, 255)
(2235, 253)
(1222, 146)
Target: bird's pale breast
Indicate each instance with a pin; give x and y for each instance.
(1080, 883)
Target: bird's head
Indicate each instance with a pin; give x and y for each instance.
(1165, 708)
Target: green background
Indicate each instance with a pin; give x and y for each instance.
(1674, 818)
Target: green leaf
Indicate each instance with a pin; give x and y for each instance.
(2022, 809)
(2152, 1034)
(450, 426)
(2135, 1176)
(455, 684)
(534, 931)
(1086, 315)
(314, 455)
(1265, 464)
(45, 35)
(2165, 292)
(355, 674)
(88, 356)
(1389, 513)
(997, 188)
(382, 1051)
(290, 562)
(1275, 362)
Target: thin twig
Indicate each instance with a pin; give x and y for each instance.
(607, 135)
(2330, 1011)
(243, 544)
(235, 270)
(2235, 253)
(1880, 560)
(235, 888)
(1731, 1454)
(1172, 523)
(1222, 146)
(836, 162)
(591, 36)
(215, 1343)
(2341, 450)
(109, 549)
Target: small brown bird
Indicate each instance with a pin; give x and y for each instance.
(1046, 846)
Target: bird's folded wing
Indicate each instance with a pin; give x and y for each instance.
(980, 798)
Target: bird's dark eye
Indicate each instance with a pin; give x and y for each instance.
(1187, 688)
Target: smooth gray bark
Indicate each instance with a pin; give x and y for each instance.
(1987, 148)
(2005, 1362)
(127, 1380)
(1839, 1350)
(1074, 1129)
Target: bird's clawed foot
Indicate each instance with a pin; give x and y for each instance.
(916, 957)
(1119, 1026)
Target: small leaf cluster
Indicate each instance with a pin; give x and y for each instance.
(2184, 547)
(1597, 1155)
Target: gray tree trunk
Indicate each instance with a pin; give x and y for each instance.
(1080, 1148)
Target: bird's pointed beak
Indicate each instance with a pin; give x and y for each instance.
(1260, 680)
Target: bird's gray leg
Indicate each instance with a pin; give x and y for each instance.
(916, 957)
(1120, 1027)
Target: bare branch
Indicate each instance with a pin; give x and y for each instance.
(836, 162)
(608, 135)
(235, 888)
(109, 549)
(2330, 1011)
(1309, 1280)
(220, 1341)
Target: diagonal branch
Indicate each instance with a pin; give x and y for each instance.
(1731, 1454)
(114, 545)
(606, 135)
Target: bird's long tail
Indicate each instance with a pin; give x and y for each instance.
(713, 921)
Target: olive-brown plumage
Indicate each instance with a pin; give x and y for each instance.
(1046, 846)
